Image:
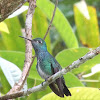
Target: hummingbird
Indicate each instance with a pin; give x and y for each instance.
(47, 65)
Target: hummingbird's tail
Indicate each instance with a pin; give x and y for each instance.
(62, 87)
(66, 91)
(59, 88)
(55, 89)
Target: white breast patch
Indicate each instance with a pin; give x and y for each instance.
(41, 73)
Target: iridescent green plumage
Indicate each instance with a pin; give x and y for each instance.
(47, 66)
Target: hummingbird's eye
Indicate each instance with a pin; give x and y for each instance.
(39, 41)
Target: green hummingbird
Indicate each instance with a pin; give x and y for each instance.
(47, 65)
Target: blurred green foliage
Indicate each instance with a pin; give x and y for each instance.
(79, 93)
(71, 36)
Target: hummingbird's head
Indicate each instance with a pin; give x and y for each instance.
(39, 45)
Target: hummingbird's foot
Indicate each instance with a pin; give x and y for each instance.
(44, 81)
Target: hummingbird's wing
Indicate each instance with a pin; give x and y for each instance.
(56, 88)
(61, 88)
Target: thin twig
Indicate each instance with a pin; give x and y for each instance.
(51, 79)
(51, 20)
(89, 80)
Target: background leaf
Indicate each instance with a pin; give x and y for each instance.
(72, 80)
(3, 27)
(78, 93)
(12, 40)
(88, 30)
(3, 83)
(66, 57)
(60, 22)
(93, 80)
(10, 70)
(18, 59)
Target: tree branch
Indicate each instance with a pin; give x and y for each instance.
(51, 20)
(74, 65)
(28, 53)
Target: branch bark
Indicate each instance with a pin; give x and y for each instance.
(74, 65)
(7, 7)
(28, 53)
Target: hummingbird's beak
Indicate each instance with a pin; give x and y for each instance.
(25, 38)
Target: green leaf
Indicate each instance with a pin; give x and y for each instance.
(93, 80)
(88, 30)
(79, 93)
(12, 41)
(14, 57)
(31, 83)
(66, 57)
(5, 87)
(72, 80)
(60, 22)
(3, 27)
(39, 94)
(11, 72)
(82, 7)
(18, 59)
